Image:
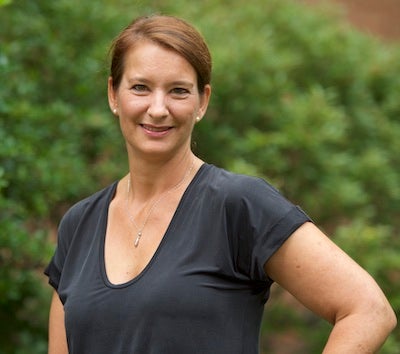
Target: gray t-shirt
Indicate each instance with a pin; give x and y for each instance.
(204, 289)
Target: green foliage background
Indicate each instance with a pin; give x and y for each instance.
(299, 98)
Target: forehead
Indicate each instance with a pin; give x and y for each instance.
(149, 58)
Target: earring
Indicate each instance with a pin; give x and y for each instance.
(115, 111)
(198, 119)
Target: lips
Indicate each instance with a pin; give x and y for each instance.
(155, 129)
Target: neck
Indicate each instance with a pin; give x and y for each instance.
(148, 180)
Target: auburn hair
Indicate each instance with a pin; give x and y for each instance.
(169, 32)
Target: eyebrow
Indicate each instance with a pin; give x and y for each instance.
(182, 83)
(185, 83)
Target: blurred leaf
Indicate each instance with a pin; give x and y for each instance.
(298, 98)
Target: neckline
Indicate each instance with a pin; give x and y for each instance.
(164, 240)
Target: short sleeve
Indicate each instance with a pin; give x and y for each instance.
(56, 264)
(53, 272)
(263, 220)
(267, 245)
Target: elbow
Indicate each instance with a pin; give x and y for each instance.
(391, 320)
(386, 316)
(377, 315)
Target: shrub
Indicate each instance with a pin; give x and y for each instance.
(299, 98)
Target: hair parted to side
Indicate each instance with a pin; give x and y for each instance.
(169, 32)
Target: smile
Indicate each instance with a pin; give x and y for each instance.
(155, 129)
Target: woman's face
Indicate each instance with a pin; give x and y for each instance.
(157, 101)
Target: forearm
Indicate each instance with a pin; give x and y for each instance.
(358, 334)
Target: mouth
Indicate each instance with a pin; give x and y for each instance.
(156, 131)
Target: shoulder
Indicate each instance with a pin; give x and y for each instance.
(239, 186)
(257, 217)
(76, 219)
(89, 205)
(245, 196)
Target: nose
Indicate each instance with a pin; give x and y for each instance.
(158, 105)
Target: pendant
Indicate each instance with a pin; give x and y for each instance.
(138, 236)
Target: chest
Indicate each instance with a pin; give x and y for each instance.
(132, 239)
(193, 261)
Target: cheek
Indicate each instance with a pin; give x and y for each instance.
(132, 105)
(186, 110)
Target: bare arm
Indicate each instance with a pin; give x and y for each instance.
(57, 336)
(327, 281)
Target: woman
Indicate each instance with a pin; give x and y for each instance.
(179, 255)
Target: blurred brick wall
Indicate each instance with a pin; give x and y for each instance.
(377, 17)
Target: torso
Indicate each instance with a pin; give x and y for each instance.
(201, 288)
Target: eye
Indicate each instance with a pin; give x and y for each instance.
(139, 88)
(180, 91)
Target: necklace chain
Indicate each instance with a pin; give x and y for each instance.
(161, 197)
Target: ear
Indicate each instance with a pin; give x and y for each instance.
(204, 100)
(112, 96)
